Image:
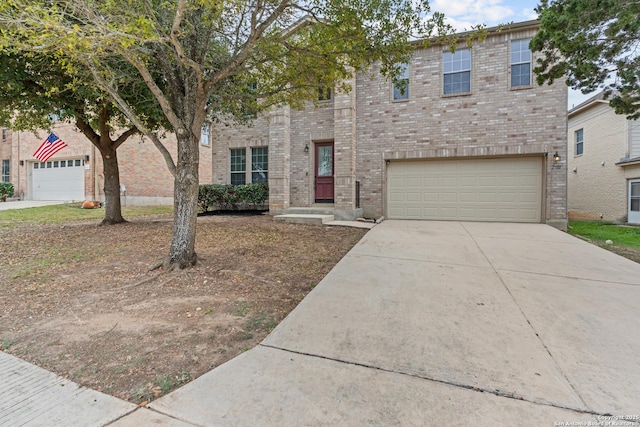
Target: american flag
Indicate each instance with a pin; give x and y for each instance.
(49, 147)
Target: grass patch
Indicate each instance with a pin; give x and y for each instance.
(260, 322)
(602, 231)
(71, 212)
(240, 310)
(170, 382)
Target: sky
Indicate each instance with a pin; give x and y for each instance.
(462, 14)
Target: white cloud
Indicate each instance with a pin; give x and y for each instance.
(462, 14)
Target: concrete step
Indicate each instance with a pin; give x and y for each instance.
(315, 219)
(314, 210)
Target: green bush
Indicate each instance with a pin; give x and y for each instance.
(231, 197)
(6, 190)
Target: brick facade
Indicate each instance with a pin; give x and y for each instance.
(598, 178)
(143, 170)
(369, 128)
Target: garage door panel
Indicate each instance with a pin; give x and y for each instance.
(528, 197)
(430, 196)
(397, 197)
(508, 197)
(506, 189)
(414, 197)
(467, 197)
(448, 196)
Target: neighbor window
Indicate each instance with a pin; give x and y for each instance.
(324, 93)
(6, 176)
(204, 135)
(457, 72)
(259, 164)
(4, 133)
(579, 142)
(520, 63)
(401, 86)
(238, 166)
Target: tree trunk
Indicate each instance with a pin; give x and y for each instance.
(185, 193)
(113, 210)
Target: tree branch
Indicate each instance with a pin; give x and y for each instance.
(257, 30)
(126, 109)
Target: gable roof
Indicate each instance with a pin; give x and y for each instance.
(585, 105)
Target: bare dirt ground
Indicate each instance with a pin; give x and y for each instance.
(78, 299)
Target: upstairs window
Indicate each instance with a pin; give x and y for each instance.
(401, 86)
(579, 142)
(520, 63)
(238, 166)
(457, 72)
(324, 94)
(204, 135)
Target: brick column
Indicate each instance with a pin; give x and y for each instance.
(279, 159)
(344, 115)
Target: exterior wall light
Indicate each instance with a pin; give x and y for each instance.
(556, 157)
(306, 148)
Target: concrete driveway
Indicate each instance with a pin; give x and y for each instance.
(440, 323)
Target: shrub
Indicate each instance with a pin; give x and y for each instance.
(231, 197)
(6, 190)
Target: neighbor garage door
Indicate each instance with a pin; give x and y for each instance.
(58, 180)
(505, 189)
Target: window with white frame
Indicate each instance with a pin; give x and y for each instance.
(401, 85)
(520, 63)
(204, 135)
(579, 142)
(238, 166)
(259, 171)
(259, 164)
(6, 176)
(457, 72)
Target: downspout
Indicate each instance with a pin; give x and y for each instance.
(94, 169)
(26, 168)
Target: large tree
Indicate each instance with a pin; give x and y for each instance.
(593, 44)
(34, 87)
(221, 58)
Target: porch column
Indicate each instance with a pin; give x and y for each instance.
(344, 116)
(279, 159)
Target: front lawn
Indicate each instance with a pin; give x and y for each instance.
(625, 239)
(80, 301)
(56, 214)
(602, 231)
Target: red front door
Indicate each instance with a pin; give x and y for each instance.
(324, 172)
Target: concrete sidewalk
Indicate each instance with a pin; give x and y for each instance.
(438, 323)
(23, 204)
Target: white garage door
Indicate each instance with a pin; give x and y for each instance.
(505, 189)
(58, 180)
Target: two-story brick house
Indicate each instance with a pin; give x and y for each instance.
(75, 173)
(603, 163)
(462, 136)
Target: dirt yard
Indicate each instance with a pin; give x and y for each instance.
(78, 299)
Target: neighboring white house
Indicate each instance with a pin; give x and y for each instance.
(603, 164)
